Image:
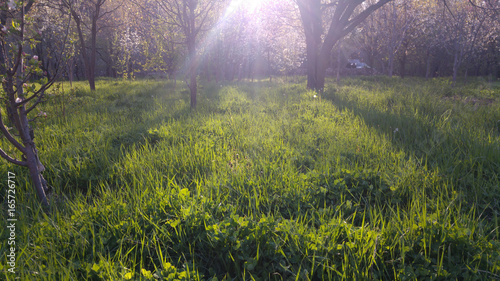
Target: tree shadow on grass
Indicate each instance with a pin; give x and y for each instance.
(88, 151)
(469, 163)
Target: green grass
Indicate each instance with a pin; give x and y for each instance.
(380, 179)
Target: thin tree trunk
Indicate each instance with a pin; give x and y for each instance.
(34, 165)
(402, 66)
(93, 49)
(193, 66)
(269, 65)
(428, 65)
(86, 60)
(390, 65)
(455, 68)
(70, 73)
(338, 62)
(175, 81)
(193, 87)
(30, 152)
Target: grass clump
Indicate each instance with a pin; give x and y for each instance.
(377, 179)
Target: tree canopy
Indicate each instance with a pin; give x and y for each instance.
(227, 40)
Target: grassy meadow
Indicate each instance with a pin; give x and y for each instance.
(377, 179)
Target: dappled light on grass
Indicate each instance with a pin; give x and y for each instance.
(378, 179)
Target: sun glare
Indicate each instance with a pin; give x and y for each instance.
(248, 6)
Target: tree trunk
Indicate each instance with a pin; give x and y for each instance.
(88, 59)
(390, 65)
(26, 133)
(218, 71)
(312, 56)
(402, 66)
(428, 65)
(89, 70)
(193, 66)
(17, 113)
(191, 46)
(455, 68)
(318, 50)
(320, 74)
(269, 65)
(34, 165)
(339, 51)
(193, 89)
(70, 71)
(93, 49)
(310, 12)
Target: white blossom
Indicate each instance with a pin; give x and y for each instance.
(11, 4)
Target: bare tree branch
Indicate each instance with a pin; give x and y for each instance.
(9, 137)
(11, 159)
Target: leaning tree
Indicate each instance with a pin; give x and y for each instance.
(23, 88)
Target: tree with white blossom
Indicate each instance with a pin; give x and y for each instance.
(23, 88)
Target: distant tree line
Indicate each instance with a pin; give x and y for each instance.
(221, 40)
(430, 38)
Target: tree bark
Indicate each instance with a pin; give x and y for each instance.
(193, 67)
(402, 66)
(89, 58)
(83, 49)
(18, 116)
(93, 47)
(339, 51)
(390, 65)
(35, 167)
(402, 60)
(456, 63)
(318, 52)
(310, 12)
(190, 17)
(70, 71)
(30, 153)
(428, 64)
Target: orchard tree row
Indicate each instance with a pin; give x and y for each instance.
(227, 40)
(224, 40)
